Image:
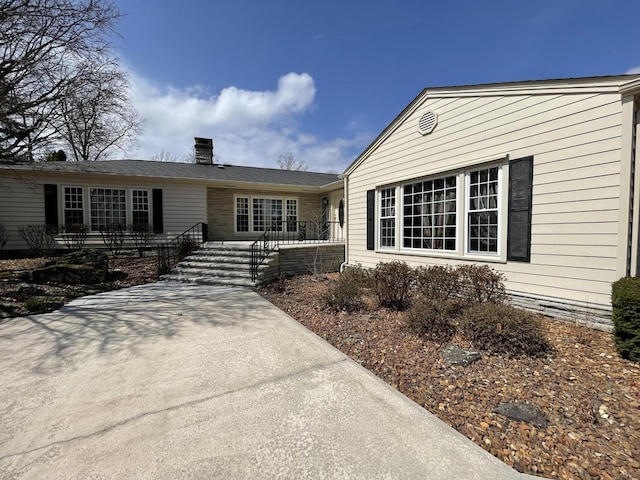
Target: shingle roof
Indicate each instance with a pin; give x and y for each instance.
(190, 171)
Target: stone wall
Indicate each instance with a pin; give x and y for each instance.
(304, 259)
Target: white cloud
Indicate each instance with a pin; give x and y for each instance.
(248, 127)
(633, 70)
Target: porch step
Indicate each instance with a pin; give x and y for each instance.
(208, 280)
(215, 264)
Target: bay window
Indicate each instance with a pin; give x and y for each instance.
(458, 213)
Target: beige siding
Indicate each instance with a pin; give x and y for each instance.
(576, 145)
(22, 202)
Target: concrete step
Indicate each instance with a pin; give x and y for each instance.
(203, 272)
(221, 253)
(188, 263)
(208, 280)
(218, 259)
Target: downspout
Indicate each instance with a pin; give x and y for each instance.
(346, 222)
(634, 260)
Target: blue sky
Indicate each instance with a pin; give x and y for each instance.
(321, 79)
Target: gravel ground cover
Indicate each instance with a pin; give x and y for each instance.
(590, 396)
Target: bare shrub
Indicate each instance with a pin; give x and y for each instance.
(481, 283)
(390, 283)
(474, 283)
(74, 235)
(141, 233)
(184, 246)
(345, 294)
(113, 237)
(39, 237)
(438, 282)
(434, 318)
(504, 329)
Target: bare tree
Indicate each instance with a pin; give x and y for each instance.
(45, 47)
(97, 115)
(288, 162)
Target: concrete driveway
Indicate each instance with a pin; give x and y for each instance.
(184, 381)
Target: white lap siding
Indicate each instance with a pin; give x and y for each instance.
(575, 140)
(22, 201)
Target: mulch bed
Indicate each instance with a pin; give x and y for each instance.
(22, 298)
(589, 395)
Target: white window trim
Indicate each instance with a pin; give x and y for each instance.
(263, 197)
(396, 238)
(462, 196)
(86, 203)
(470, 253)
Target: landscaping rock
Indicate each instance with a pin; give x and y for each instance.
(523, 412)
(83, 267)
(454, 355)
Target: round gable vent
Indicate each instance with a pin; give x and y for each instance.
(427, 122)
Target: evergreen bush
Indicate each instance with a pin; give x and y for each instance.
(625, 300)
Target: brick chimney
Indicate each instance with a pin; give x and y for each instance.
(204, 151)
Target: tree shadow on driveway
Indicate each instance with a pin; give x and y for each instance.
(120, 321)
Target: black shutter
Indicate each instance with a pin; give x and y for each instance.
(520, 198)
(158, 226)
(51, 206)
(371, 219)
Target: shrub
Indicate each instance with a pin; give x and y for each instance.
(625, 300)
(390, 283)
(74, 235)
(141, 233)
(184, 246)
(501, 328)
(438, 282)
(34, 304)
(345, 293)
(39, 237)
(480, 284)
(113, 237)
(433, 318)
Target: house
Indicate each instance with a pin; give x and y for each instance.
(536, 179)
(236, 203)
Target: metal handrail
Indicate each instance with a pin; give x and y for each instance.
(173, 251)
(289, 232)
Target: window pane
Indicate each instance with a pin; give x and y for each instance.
(388, 217)
(107, 206)
(483, 211)
(436, 206)
(242, 214)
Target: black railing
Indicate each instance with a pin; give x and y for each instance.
(172, 252)
(289, 233)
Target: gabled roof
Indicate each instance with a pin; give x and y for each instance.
(184, 171)
(620, 83)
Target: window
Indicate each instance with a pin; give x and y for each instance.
(267, 213)
(292, 215)
(482, 211)
(458, 214)
(73, 206)
(430, 218)
(257, 214)
(388, 217)
(108, 206)
(242, 214)
(140, 207)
